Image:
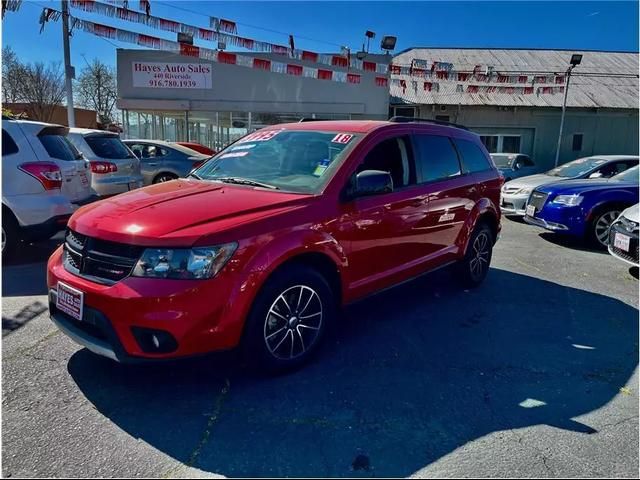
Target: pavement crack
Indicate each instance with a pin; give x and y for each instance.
(31, 347)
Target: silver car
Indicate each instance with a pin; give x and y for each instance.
(115, 169)
(514, 194)
(163, 161)
(514, 165)
(623, 236)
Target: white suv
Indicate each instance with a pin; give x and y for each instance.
(44, 179)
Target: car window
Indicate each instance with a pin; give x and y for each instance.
(107, 146)
(392, 155)
(9, 147)
(576, 168)
(59, 147)
(629, 175)
(613, 168)
(502, 160)
(525, 161)
(300, 161)
(436, 158)
(473, 159)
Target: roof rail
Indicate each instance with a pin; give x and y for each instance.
(307, 119)
(425, 120)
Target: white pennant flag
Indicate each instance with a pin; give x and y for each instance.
(310, 72)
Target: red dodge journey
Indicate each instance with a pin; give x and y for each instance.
(260, 246)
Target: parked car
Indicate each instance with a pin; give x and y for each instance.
(261, 244)
(164, 161)
(114, 167)
(583, 208)
(623, 236)
(515, 193)
(198, 148)
(514, 165)
(43, 174)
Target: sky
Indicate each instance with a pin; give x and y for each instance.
(324, 26)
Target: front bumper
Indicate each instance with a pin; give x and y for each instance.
(630, 256)
(513, 204)
(198, 316)
(541, 222)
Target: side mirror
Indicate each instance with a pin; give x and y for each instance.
(517, 166)
(596, 175)
(370, 182)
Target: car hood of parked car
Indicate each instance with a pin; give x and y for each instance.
(571, 187)
(632, 213)
(532, 181)
(180, 212)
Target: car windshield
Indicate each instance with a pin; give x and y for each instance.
(503, 160)
(576, 168)
(630, 175)
(107, 146)
(293, 160)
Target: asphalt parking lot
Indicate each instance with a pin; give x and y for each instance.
(534, 374)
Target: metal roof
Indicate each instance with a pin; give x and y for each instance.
(607, 91)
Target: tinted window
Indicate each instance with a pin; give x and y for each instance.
(472, 157)
(59, 146)
(8, 145)
(436, 158)
(613, 168)
(576, 168)
(525, 161)
(394, 156)
(108, 147)
(630, 175)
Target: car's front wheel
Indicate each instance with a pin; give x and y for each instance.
(598, 233)
(288, 319)
(164, 177)
(10, 235)
(474, 266)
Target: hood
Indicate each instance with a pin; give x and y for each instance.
(571, 187)
(180, 212)
(531, 181)
(632, 213)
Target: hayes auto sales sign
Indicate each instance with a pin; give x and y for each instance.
(171, 75)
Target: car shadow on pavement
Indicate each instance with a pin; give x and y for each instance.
(569, 241)
(26, 274)
(409, 376)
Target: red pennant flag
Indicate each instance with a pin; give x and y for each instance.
(146, 6)
(226, 57)
(523, 79)
(472, 89)
(104, 30)
(309, 56)
(324, 74)
(394, 69)
(261, 64)
(189, 50)
(169, 25)
(294, 70)
(371, 67)
(382, 81)
(560, 79)
(338, 61)
(428, 86)
(206, 34)
(353, 78)
(228, 26)
(463, 77)
(528, 90)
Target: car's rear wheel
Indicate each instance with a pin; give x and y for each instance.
(599, 228)
(474, 266)
(164, 177)
(288, 319)
(10, 235)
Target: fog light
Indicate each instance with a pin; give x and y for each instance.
(154, 341)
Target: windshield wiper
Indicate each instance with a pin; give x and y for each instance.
(244, 181)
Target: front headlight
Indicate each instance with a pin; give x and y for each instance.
(183, 263)
(569, 200)
(524, 191)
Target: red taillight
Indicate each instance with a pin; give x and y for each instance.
(103, 167)
(47, 173)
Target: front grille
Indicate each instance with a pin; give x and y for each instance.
(510, 190)
(106, 262)
(634, 248)
(537, 199)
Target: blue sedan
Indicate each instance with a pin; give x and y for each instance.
(583, 208)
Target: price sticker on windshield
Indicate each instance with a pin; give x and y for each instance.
(260, 136)
(342, 138)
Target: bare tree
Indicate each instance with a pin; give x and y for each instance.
(96, 89)
(42, 88)
(12, 72)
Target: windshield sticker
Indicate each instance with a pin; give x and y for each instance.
(243, 147)
(234, 154)
(342, 138)
(260, 136)
(320, 169)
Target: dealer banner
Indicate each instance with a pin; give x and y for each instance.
(171, 75)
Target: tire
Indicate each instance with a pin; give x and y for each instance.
(474, 266)
(164, 177)
(10, 235)
(277, 337)
(598, 230)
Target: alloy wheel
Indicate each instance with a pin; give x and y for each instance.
(602, 226)
(293, 322)
(480, 255)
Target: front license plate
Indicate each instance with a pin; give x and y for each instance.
(531, 210)
(70, 301)
(621, 241)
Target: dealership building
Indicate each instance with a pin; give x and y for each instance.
(164, 95)
(512, 98)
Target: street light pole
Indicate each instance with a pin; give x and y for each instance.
(68, 69)
(576, 58)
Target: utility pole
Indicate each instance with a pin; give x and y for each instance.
(576, 58)
(68, 69)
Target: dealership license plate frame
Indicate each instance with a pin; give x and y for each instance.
(67, 303)
(622, 241)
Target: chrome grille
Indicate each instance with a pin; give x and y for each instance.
(510, 190)
(537, 199)
(99, 260)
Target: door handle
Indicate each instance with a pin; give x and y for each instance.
(152, 164)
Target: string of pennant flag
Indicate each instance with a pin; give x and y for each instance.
(460, 88)
(225, 31)
(156, 43)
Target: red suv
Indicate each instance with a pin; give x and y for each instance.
(261, 245)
